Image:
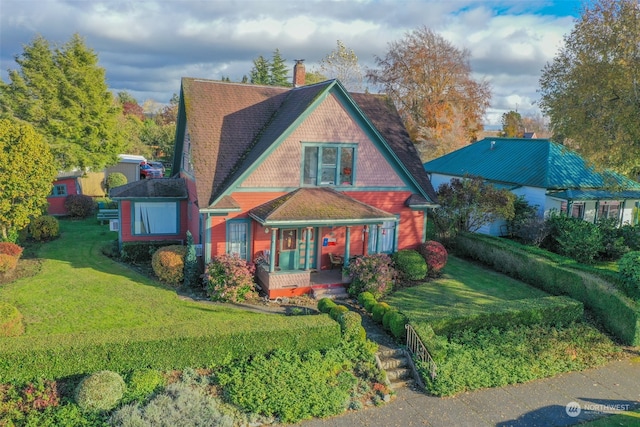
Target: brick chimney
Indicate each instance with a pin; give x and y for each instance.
(298, 73)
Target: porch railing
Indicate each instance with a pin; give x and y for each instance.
(418, 350)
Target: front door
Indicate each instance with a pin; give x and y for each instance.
(302, 252)
(288, 248)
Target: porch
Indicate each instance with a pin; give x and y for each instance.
(297, 282)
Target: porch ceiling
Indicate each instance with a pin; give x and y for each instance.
(317, 206)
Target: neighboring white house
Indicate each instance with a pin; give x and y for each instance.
(546, 174)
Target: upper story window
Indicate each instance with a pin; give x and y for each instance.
(59, 190)
(328, 164)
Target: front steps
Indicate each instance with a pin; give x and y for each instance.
(333, 292)
(398, 366)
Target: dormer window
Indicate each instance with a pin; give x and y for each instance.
(328, 165)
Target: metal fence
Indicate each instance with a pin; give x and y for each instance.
(417, 349)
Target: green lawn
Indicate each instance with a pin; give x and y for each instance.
(80, 290)
(464, 289)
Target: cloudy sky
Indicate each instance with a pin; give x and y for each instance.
(147, 46)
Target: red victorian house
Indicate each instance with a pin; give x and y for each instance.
(287, 176)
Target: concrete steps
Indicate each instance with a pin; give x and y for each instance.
(397, 364)
(333, 292)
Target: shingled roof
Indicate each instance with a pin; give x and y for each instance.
(319, 206)
(232, 125)
(151, 188)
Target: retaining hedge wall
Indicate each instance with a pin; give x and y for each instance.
(178, 346)
(619, 314)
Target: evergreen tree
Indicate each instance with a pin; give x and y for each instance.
(63, 93)
(278, 70)
(260, 71)
(191, 270)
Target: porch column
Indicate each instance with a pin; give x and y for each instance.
(272, 251)
(307, 240)
(378, 238)
(347, 247)
(595, 216)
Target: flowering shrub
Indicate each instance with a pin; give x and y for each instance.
(371, 273)
(10, 248)
(229, 278)
(168, 263)
(435, 254)
(44, 227)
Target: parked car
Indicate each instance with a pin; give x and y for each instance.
(158, 165)
(148, 171)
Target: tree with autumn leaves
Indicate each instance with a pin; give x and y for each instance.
(429, 80)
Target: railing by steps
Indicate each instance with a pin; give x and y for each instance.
(417, 349)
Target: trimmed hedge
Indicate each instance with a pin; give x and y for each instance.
(188, 344)
(135, 252)
(552, 311)
(379, 310)
(337, 311)
(410, 264)
(325, 305)
(619, 314)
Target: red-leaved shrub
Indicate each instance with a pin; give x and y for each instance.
(230, 278)
(10, 248)
(434, 254)
(79, 205)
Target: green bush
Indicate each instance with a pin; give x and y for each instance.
(191, 265)
(7, 263)
(168, 264)
(10, 321)
(174, 346)
(351, 324)
(79, 205)
(369, 303)
(364, 295)
(10, 248)
(612, 245)
(631, 236)
(325, 305)
(230, 278)
(45, 227)
(575, 238)
(555, 275)
(115, 179)
(141, 383)
(629, 268)
(410, 264)
(386, 318)
(141, 252)
(378, 311)
(435, 255)
(397, 322)
(100, 391)
(337, 311)
(371, 273)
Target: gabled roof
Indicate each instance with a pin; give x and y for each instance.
(529, 162)
(232, 125)
(317, 206)
(174, 188)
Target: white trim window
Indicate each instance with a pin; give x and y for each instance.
(155, 218)
(387, 240)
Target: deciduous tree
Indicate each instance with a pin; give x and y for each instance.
(26, 173)
(62, 92)
(591, 89)
(512, 126)
(430, 82)
(342, 64)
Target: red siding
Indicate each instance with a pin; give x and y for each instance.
(126, 229)
(56, 203)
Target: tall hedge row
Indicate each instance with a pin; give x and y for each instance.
(179, 346)
(619, 314)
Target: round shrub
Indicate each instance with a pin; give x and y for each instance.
(369, 303)
(435, 255)
(386, 318)
(115, 179)
(141, 383)
(10, 321)
(397, 322)
(168, 264)
(10, 248)
(629, 268)
(100, 391)
(378, 311)
(44, 227)
(410, 264)
(79, 205)
(325, 305)
(229, 278)
(7, 263)
(371, 273)
(337, 311)
(364, 295)
(350, 324)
